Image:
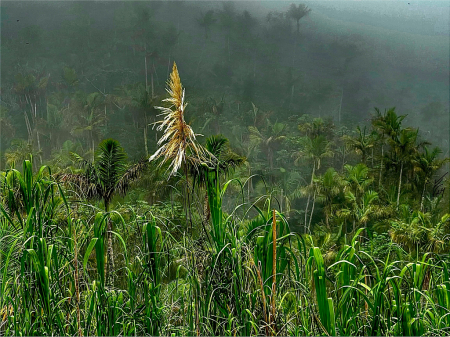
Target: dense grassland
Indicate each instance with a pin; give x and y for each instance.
(303, 210)
(244, 277)
(76, 261)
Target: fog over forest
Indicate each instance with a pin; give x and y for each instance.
(218, 168)
(347, 56)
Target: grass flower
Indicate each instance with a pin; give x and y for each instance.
(178, 139)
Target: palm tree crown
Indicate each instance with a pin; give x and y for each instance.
(106, 176)
(298, 12)
(102, 179)
(221, 159)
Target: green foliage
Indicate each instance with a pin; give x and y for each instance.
(368, 290)
(70, 76)
(374, 261)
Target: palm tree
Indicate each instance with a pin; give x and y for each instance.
(91, 120)
(361, 143)
(102, 179)
(6, 127)
(404, 148)
(361, 210)
(63, 158)
(31, 91)
(316, 127)
(357, 178)
(206, 21)
(387, 124)
(223, 161)
(426, 164)
(416, 231)
(342, 147)
(268, 139)
(315, 149)
(20, 151)
(142, 104)
(361, 203)
(328, 187)
(298, 12)
(227, 17)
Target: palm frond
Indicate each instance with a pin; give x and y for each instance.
(130, 175)
(111, 165)
(85, 184)
(78, 160)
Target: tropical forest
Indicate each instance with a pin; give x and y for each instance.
(252, 168)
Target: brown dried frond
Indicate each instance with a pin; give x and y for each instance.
(178, 137)
(131, 175)
(83, 183)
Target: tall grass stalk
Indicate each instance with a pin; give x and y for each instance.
(274, 271)
(254, 278)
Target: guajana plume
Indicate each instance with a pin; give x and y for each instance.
(179, 138)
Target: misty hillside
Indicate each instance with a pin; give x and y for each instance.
(253, 59)
(209, 168)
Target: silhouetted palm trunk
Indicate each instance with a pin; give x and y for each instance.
(281, 201)
(381, 167)
(39, 146)
(292, 95)
(423, 195)
(399, 183)
(153, 85)
(106, 118)
(93, 146)
(27, 123)
(249, 185)
(372, 157)
(145, 140)
(309, 196)
(312, 210)
(270, 155)
(145, 64)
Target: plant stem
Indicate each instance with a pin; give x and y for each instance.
(188, 206)
(274, 270)
(399, 183)
(77, 289)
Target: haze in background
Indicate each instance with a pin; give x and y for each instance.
(347, 58)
